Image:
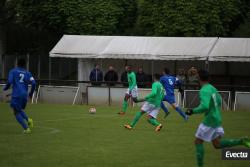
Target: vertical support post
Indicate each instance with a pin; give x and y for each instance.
(39, 67)
(3, 66)
(60, 72)
(152, 69)
(16, 59)
(101, 64)
(175, 67)
(80, 74)
(209, 52)
(28, 61)
(2, 49)
(207, 64)
(49, 70)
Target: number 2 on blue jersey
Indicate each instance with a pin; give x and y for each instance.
(170, 82)
(21, 78)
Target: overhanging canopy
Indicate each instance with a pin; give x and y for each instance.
(129, 47)
(153, 48)
(231, 49)
(158, 48)
(77, 46)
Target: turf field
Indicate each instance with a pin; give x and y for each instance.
(69, 136)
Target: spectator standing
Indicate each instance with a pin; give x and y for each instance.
(96, 75)
(193, 78)
(141, 78)
(181, 75)
(111, 76)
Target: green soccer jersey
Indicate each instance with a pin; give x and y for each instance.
(131, 80)
(210, 103)
(156, 95)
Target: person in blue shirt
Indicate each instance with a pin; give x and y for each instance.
(19, 78)
(169, 82)
(96, 76)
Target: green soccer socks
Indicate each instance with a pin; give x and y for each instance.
(124, 106)
(136, 118)
(230, 142)
(153, 122)
(199, 154)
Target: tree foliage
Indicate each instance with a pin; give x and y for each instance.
(78, 16)
(189, 18)
(132, 17)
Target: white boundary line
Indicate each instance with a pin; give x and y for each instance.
(76, 118)
(53, 130)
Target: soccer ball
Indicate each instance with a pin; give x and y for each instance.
(92, 110)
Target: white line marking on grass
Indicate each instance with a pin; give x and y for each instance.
(57, 120)
(75, 118)
(52, 130)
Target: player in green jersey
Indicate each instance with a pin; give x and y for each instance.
(132, 90)
(210, 129)
(152, 105)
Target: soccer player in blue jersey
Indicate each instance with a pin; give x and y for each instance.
(19, 78)
(169, 82)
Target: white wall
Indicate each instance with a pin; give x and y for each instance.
(100, 95)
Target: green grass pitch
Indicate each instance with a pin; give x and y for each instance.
(68, 136)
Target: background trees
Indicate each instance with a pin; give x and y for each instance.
(77, 17)
(191, 18)
(130, 17)
(38, 24)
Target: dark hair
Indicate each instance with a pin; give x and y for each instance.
(204, 75)
(21, 62)
(166, 70)
(157, 77)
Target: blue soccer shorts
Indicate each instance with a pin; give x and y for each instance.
(169, 99)
(18, 103)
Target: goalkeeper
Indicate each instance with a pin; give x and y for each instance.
(210, 130)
